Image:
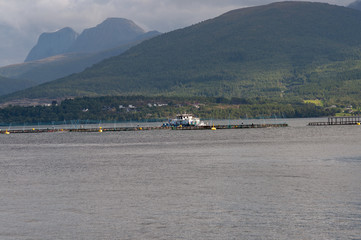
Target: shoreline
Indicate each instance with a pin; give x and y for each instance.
(120, 129)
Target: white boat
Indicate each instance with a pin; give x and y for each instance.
(185, 120)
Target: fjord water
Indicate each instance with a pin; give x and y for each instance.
(297, 182)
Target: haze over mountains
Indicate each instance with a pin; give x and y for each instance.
(9, 37)
(21, 22)
(111, 33)
(65, 52)
(298, 50)
(51, 44)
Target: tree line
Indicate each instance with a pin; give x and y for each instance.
(141, 108)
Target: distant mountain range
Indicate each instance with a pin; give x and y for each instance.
(51, 44)
(286, 50)
(111, 33)
(65, 52)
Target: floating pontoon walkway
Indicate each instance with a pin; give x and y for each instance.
(119, 129)
(354, 120)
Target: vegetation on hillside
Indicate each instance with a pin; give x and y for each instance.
(8, 85)
(282, 51)
(140, 108)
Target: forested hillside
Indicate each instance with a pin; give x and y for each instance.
(141, 108)
(287, 50)
(8, 85)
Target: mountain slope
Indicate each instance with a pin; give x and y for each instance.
(109, 34)
(12, 85)
(280, 49)
(51, 44)
(51, 68)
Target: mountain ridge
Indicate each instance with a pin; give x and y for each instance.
(109, 34)
(51, 44)
(278, 50)
(58, 66)
(11, 85)
(55, 56)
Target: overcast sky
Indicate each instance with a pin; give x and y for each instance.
(27, 19)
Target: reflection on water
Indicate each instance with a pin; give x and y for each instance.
(289, 183)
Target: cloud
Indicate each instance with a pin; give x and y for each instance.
(162, 15)
(13, 45)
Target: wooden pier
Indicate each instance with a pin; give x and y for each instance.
(119, 129)
(352, 120)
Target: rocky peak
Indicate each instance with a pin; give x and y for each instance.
(110, 33)
(53, 43)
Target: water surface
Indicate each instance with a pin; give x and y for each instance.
(297, 182)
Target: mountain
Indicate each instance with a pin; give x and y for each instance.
(12, 85)
(58, 66)
(355, 5)
(109, 34)
(63, 53)
(51, 44)
(300, 50)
